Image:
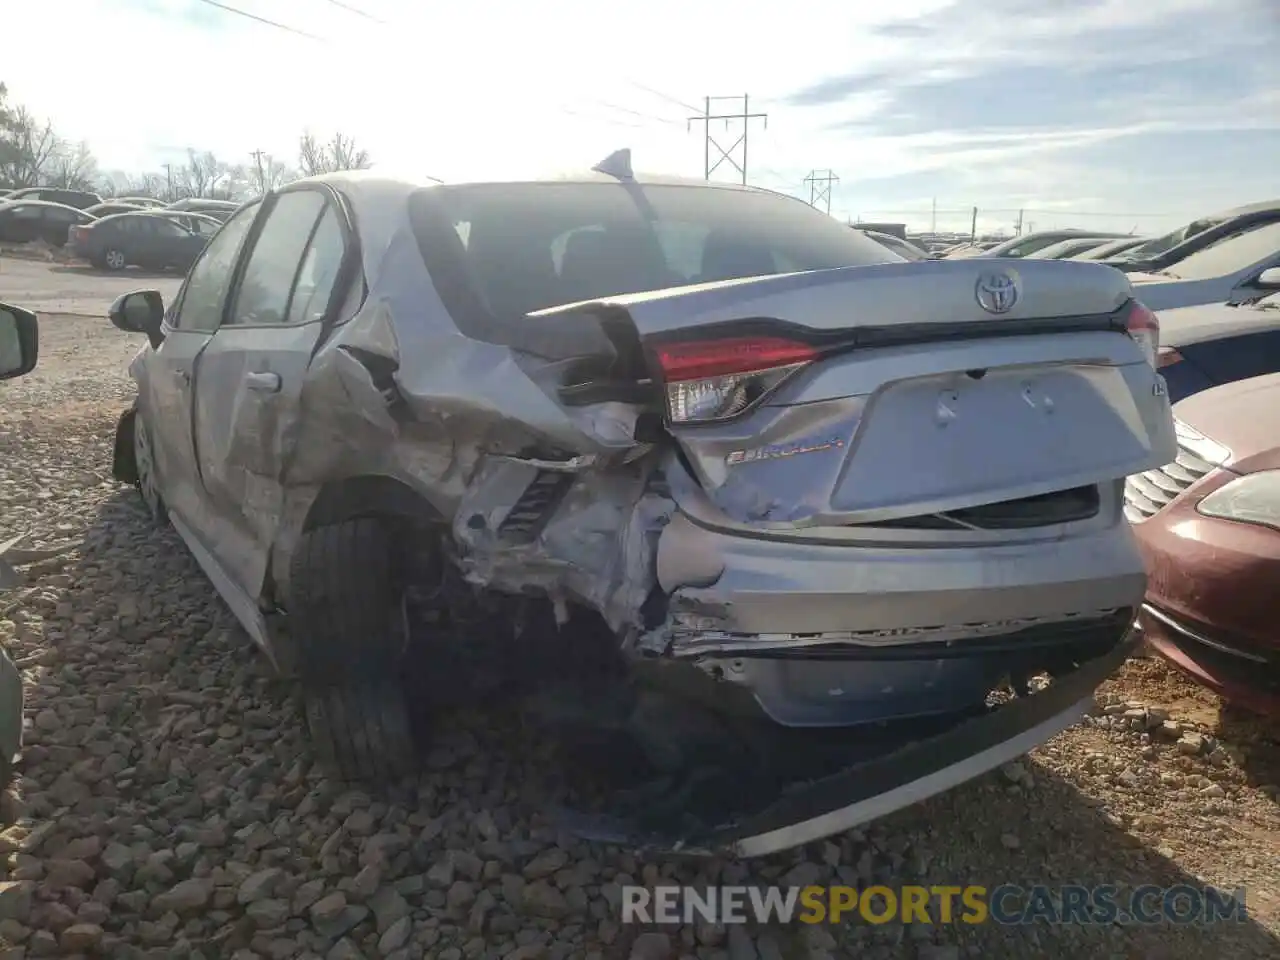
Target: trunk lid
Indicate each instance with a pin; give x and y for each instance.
(920, 402)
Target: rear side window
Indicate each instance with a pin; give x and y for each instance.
(319, 271)
(497, 252)
(263, 296)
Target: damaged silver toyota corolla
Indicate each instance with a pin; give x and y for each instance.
(842, 530)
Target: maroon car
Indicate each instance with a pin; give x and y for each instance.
(1209, 528)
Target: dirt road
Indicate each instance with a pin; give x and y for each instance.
(168, 805)
(72, 289)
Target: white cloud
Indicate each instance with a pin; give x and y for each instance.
(496, 87)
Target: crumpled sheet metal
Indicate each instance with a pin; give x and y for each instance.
(598, 547)
(474, 418)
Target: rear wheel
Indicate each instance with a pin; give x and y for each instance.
(348, 621)
(145, 469)
(114, 259)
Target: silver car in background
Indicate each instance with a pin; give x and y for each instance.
(813, 506)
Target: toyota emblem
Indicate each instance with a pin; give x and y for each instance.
(997, 291)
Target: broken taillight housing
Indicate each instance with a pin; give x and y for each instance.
(1144, 327)
(709, 380)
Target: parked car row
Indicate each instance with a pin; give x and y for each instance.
(114, 234)
(1207, 522)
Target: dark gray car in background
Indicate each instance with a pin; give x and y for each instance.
(139, 239)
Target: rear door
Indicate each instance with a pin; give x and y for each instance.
(166, 395)
(23, 223)
(249, 378)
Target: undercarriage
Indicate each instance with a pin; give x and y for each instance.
(685, 754)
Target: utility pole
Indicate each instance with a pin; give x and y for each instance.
(168, 176)
(1018, 230)
(746, 116)
(257, 159)
(816, 193)
(933, 216)
(973, 226)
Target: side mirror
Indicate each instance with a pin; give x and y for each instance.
(1269, 279)
(139, 312)
(19, 341)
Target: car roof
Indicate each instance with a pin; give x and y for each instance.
(150, 214)
(10, 202)
(1265, 206)
(210, 201)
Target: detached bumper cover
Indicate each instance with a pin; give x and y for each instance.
(873, 788)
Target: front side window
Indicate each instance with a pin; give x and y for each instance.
(536, 245)
(204, 296)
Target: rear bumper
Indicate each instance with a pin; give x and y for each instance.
(868, 790)
(771, 589)
(824, 635)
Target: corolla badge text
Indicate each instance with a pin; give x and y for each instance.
(780, 451)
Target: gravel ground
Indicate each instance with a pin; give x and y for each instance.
(167, 805)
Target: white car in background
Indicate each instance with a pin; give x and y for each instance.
(1236, 269)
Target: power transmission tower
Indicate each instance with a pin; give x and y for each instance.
(817, 193)
(746, 116)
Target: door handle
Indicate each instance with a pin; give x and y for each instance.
(263, 382)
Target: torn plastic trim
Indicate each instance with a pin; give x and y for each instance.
(692, 642)
(875, 788)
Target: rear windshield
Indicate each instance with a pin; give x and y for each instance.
(497, 252)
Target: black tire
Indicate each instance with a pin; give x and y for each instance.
(346, 619)
(144, 468)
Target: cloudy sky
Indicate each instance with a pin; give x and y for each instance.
(1104, 113)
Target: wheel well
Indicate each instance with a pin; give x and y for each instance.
(369, 496)
(123, 466)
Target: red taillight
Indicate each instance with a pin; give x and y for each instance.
(710, 380)
(1144, 327)
(714, 358)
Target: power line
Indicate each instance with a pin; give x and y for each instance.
(357, 11)
(637, 113)
(270, 23)
(662, 96)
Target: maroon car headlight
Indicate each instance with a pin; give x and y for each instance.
(1253, 498)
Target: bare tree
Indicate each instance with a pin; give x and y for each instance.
(29, 146)
(266, 173)
(339, 153)
(120, 183)
(204, 175)
(72, 166)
